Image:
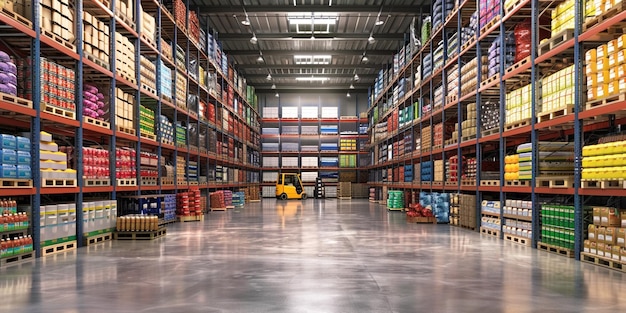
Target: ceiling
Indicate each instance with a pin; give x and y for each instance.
(283, 30)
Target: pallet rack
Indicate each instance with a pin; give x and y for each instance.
(347, 120)
(27, 38)
(575, 123)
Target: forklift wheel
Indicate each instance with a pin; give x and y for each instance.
(304, 196)
(283, 196)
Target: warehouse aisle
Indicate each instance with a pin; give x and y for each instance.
(316, 256)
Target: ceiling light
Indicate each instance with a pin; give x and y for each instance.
(277, 95)
(380, 22)
(356, 77)
(309, 18)
(365, 58)
(245, 22)
(348, 95)
(312, 59)
(273, 86)
(260, 58)
(371, 39)
(254, 40)
(269, 77)
(351, 86)
(312, 79)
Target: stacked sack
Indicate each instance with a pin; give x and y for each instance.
(8, 74)
(495, 51)
(93, 102)
(441, 9)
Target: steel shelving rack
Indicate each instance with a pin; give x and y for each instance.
(27, 38)
(573, 127)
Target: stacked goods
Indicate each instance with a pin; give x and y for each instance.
(427, 65)
(490, 208)
(180, 168)
(195, 207)
(607, 234)
(557, 225)
(605, 69)
(147, 72)
(166, 80)
(56, 18)
(455, 168)
(239, 199)
(518, 105)
(181, 90)
(149, 163)
(441, 9)
(489, 116)
(438, 56)
(228, 198)
(16, 246)
(468, 169)
(595, 8)
(605, 160)
(417, 210)
(289, 162)
(166, 50)
(380, 131)
(441, 133)
(438, 203)
(438, 173)
(467, 211)
(124, 111)
(514, 226)
(329, 146)
(272, 162)
(469, 74)
(329, 129)
(469, 33)
(306, 176)
(438, 98)
(344, 189)
(137, 222)
(168, 207)
(57, 83)
(555, 159)
(125, 163)
(347, 160)
(181, 65)
(405, 117)
(408, 173)
(557, 90)
(15, 157)
(563, 17)
(125, 57)
(94, 105)
(523, 40)
(97, 215)
(183, 204)
(8, 75)
(426, 29)
(146, 120)
(453, 45)
(95, 162)
(495, 52)
(95, 38)
(426, 141)
(426, 171)
(489, 9)
(329, 162)
(347, 144)
(10, 218)
(166, 129)
(395, 199)
(453, 80)
(53, 163)
(289, 147)
(178, 9)
(181, 135)
(148, 26)
(194, 27)
(59, 222)
(512, 167)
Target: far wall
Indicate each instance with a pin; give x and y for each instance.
(352, 106)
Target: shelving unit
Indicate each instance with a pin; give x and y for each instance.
(156, 71)
(304, 134)
(483, 104)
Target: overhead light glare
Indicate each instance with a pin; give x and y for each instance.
(371, 39)
(380, 22)
(356, 77)
(312, 59)
(276, 95)
(351, 86)
(269, 77)
(312, 79)
(254, 40)
(245, 22)
(309, 18)
(273, 86)
(260, 58)
(365, 58)
(348, 95)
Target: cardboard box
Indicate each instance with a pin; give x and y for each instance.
(593, 248)
(609, 217)
(587, 246)
(610, 236)
(623, 253)
(596, 215)
(621, 237)
(616, 253)
(600, 249)
(601, 235)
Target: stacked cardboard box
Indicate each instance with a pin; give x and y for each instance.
(55, 16)
(147, 73)
(607, 234)
(124, 56)
(96, 39)
(124, 110)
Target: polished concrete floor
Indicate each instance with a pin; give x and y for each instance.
(312, 256)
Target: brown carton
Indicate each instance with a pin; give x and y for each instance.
(610, 236)
(600, 249)
(616, 253)
(587, 246)
(623, 220)
(621, 237)
(596, 215)
(593, 248)
(600, 234)
(591, 233)
(623, 253)
(609, 217)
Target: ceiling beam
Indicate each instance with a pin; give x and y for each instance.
(291, 36)
(340, 9)
(280, 88)
(389, 52)
(264, 66)
(329, 75)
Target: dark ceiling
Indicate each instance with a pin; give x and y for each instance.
(282, 28)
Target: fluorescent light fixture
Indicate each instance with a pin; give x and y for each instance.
(276, 95)
(351, 86)
(356, 77)
(254, 40)
(371, 39)
(312, 59)
(245, 22)
(273, 86)
(348, 95)
(309, 18)
(365, 58)
(312, 79)
(260, 58)
(380, 22)
(269, 77)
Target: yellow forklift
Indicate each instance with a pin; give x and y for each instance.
(289, 186)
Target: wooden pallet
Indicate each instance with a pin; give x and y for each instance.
(96, 182)
(148, 40)
(555, 249)
(512, 6)
(437, 183)
(468, 182)
(451, 183)
(58, 248)
(452, 99)
(467, 227)
(494, 21)
(490, 80)
(53, 182)
(344, 198)
(590, 184)
(591, 22)
(492, 183)
(140, 235)
(96, 60)
(468, 138)
(129, 131)
(99, 238)
(254, 200)
(16, 100)
(421, 219)
(126, 182)
(165, 181)
(452, 141)
(126, 20)
(127, 77)
(96, 122)
(555, 181)
(148, 136)
(148, 89)
(149, 181)
(605, 101)
(58, 111)
(546, 116)
(16, 183)
(517, 65)
(555, 41)
(189, 218)
(230, 207)
(58, 39)
(518, 183)
(218, 209)
(519, 240)
(603, 261)
(17, 259)
(518, 124)
(20, 19)
(490, 232)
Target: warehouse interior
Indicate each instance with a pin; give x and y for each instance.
(312, 155)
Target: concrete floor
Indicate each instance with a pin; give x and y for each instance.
(312, 256)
